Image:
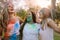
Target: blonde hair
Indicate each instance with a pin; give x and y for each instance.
(43, 12)
(44, 21)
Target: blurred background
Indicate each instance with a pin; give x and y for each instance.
(21, 7)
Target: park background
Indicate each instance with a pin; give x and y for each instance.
(21, 7)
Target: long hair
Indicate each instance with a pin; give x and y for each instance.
(22, 27)
(33, 17)
(43, 11)
(5, 17)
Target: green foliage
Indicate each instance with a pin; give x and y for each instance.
(58, 7)
(56, 36)
(22, 13)
(58, 11)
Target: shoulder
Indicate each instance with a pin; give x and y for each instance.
(26, 24)
(38, 25)
(49, 20)
(16, 18)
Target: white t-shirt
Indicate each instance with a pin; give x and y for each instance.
(31, 32)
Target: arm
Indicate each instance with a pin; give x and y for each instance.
(53, 25)
(40, 37)
(20, 19)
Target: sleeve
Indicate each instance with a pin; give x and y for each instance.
(49, 19)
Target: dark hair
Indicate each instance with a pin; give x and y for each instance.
(22, 27)
(33, 17)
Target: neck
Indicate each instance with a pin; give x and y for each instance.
(30, 22)
(45, 18)
(10, 15)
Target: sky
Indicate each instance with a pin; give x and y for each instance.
(19, 3)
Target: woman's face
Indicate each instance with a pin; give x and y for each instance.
(29, 17)
(46, 13)
(10, 8)
(40, 17)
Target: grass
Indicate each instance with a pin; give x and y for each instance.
(56, 36)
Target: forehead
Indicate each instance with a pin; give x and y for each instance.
(47, 10)
(10, 5)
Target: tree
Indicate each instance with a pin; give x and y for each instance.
(58, 10)
(22, 13)
(53, 9)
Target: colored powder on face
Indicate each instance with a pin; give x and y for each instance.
(29, 18)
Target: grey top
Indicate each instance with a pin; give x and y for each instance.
(47, 33)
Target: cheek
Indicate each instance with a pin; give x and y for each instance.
(41, 16)
(10, 9)
(46, 15)
(38, 20)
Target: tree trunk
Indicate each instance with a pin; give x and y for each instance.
(53, 9)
